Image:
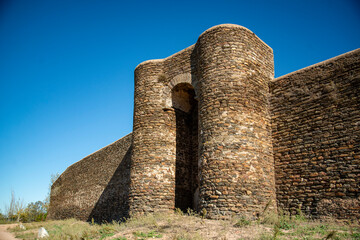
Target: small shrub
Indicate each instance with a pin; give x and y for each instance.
(179, 212)
(276, 231)
(106, 231)
(242, 222)
(355, 235)
(162, 78)
(321, 229)
(151, 234)
(285, 225)
(269, 218)
(191, 212)
(203, 213)
(330, 235)
(300, 216)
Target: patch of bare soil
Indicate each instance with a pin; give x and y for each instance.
(4, 234)
(181, 227)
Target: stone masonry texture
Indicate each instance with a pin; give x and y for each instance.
(316, 137)
(89, 188)
(213, 131)
(235, 153)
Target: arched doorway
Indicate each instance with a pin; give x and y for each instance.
(186, 175)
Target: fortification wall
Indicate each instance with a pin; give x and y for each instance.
(95, 187)
(202, 114)
(316, 137)
(203, 120)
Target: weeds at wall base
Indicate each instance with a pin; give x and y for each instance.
(192, 226)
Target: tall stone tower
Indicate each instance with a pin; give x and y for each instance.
(235, 150)
(202, 136)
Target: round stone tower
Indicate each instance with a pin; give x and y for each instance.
(201, 135)
(235, 152)
(153, 161)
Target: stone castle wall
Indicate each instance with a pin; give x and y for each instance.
(213, 130)
(316, 137)
(228, 158)
(96, 187)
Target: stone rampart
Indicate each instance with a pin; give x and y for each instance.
(96, 187)
(316, 137)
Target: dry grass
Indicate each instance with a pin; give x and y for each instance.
(179, 226)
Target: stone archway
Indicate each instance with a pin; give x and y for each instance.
(186, 174)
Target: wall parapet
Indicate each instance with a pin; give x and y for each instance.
(344, 62)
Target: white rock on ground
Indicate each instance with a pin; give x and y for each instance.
(43, 233)
(22, 227)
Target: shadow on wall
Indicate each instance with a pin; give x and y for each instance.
(113, 203)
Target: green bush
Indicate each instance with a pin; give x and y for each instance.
(34, 212)
(3, 219)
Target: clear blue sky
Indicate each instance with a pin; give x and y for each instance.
(66, 67)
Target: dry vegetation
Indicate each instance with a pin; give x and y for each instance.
(181, 226)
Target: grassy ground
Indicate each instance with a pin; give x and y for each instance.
(179, 226)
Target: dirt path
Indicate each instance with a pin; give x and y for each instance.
(5, 235)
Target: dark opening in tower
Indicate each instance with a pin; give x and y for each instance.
(186, 175)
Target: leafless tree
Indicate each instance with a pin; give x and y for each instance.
(15, 208)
